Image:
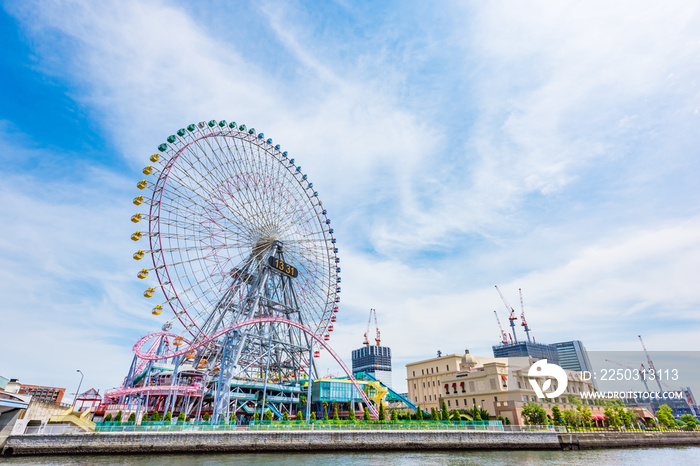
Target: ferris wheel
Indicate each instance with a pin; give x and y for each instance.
(236, 232)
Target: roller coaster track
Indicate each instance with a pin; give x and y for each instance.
(279, 320)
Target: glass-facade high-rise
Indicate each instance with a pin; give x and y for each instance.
(374, 360)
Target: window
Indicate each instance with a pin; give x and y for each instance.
(437, 369)
(423, 384)
(414, 386)
(524, 397)
(456, 402)
(519, 386)
(414, 373)
(433, 383)
(448, 368)
(474, 401)
(448, 404)
(495, 399)
(422, 372)
(431, 370)
(425, 398)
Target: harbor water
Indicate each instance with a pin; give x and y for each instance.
(636, 456)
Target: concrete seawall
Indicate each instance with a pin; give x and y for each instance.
(171, 442)
(188, 442)
(592, 440)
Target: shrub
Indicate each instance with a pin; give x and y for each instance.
(181, 416)
(155, 416)
(285, 417)
(444, 413)
(108, 417)
(365, 416)
(351, 414)
(118, 417)
(205, 417)
(312, 417)
(132, 417)
(168, 417)
(268, 415)
(382, 413)
(300, 416)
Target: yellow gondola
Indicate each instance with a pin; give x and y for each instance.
(142, 274)
(189, 355)
(154, 157)
(136, 218)
(148, 170)
(136, 236)
(149, 293)
(158, 310)
(138, 255)
(178, 340)
(142, 184)
(138, 200)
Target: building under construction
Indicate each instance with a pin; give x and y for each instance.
(371, 359)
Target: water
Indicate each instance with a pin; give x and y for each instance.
(636, 456)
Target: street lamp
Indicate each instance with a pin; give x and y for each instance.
(77, 393)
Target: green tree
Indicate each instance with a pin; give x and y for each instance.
(444, 413)
(534, 414)
(300, 415)
(325, 410)
(556, 415)
(155, 416)
(335, 412)
(312, 416)
(665, 416)
(168, 417)
(285, 417)
(205, 417)
(382, 413)
(689, 421)
(456, 416)
(108, 417)
(132, 417)
(419, 413)
(394, 415)
(181, 416)
(351, 414)
(585, 413)
(434, 414)
(118, 417)
(507, 421)
(268, 415)
(476, 413)
(571, 417)
(365, 416)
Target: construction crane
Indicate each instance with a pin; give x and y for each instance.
(512, 316)
(522, 315)
(369, 322)
(642, 373)
(651, 364)
(504, 337)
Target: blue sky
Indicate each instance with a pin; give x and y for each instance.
(548, 146)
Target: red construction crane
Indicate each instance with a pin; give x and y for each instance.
(504, 337)
(522, 315)
(369, 322)
(512, 316)
(651, 364)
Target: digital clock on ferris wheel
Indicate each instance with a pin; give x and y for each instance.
(283, 267)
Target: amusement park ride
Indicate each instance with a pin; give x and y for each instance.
(241, 252)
